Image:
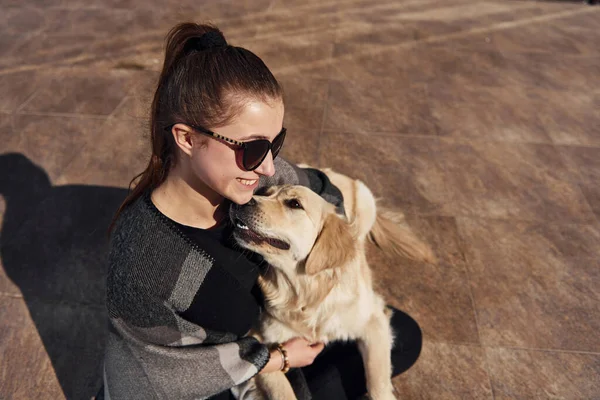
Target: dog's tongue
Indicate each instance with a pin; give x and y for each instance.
(251, 236)
(280, 244)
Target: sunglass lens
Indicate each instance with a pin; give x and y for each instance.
(278, 143)
(254, 153)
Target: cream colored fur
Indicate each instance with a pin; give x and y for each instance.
(321, 287)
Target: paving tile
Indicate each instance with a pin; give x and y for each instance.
(8, 41)
(134, 108)
(523, 181)
(521, 374)
(447, 177)
(118, 4)
(48, 141)
(407, 173)
(6, 127)
(405, 66)
(33, 3)
(586, 23)
(387, 26)
(90, 92)
(7, 286)
(534, 284)
(556, 97)
(137, 104)
(64, 346)
(308, 53)
(304, 119)
(102, 21)
(18, 87)
(585, 164)
(303, 92)
(44, 51)
(468, 95)
(19, 336)
(379, 105)
(291, 21)
(54, 42)
(23, 19)
(543, 70)
(446, 371)
(228, 9)
(576, 122)
(468, 109)
(303, 137)
(304, 100)
(437, 296)
(569, 36)
(120, 151)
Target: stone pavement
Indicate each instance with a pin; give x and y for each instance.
(478, 118)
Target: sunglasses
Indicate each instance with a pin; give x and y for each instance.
(254, 151)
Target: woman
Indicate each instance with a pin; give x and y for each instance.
(180, 295)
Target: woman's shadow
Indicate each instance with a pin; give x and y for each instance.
(53, 246)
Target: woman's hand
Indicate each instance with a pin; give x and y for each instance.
(300, 353)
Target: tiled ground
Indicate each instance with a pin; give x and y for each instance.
(478, 118)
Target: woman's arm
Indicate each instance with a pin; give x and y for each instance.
(157, 353)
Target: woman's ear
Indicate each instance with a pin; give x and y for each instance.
(182, 134)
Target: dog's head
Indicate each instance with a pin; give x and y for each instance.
(291, 226)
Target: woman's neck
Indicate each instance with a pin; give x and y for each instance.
(184, 204)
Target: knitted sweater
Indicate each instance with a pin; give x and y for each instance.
(155, 274)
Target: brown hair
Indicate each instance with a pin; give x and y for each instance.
(204, 82)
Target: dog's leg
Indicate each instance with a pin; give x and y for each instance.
(376, 349)
(275, 386)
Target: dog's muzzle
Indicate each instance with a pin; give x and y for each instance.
(245, 217)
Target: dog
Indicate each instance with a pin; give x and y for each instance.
(318, 284)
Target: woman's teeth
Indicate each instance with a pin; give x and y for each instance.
(247, 182)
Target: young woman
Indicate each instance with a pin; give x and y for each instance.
(180, 295)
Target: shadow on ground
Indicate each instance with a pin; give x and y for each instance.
(54, 248)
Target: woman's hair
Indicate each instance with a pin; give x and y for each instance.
(204, 82)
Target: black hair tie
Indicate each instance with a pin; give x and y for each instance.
(209, 40)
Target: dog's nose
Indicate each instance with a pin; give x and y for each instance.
(261, 191)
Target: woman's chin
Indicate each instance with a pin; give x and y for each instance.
(241, 197)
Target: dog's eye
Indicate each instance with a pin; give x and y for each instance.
(294, 203)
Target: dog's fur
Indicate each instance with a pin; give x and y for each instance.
(318, 284)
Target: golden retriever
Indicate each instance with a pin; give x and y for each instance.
(318, 284)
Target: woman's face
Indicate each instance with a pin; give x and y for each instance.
(219, 164)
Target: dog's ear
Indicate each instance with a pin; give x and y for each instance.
(334, 247)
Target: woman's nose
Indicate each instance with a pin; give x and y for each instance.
(267, 168)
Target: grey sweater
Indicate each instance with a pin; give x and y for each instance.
(155, 272)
